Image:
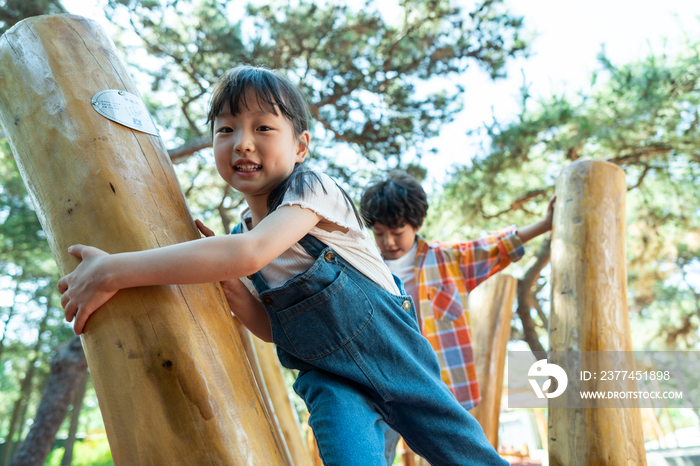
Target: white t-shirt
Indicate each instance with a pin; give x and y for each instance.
(355, 246)
(405, 268)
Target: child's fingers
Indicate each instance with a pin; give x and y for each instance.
(70, 310)
(205, 231)
(76, 250)
(63, 285)
(79, 323)
(64, 300)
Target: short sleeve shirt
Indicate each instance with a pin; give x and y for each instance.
(354, 243)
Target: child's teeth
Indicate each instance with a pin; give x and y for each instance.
(248, 168)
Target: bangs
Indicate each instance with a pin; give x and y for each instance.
(248, 89)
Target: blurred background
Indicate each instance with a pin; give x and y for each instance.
(485, 102)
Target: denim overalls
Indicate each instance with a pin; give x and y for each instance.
(361, 358)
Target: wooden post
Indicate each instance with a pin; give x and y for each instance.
(589, 311)
(172, 380)
(491, 309)
(247, 341)
(279, 397)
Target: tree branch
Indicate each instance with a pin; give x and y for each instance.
(525, 300)
(517, 204)
(641, 178)
(180, 154)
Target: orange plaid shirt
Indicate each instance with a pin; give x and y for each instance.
(445, 273)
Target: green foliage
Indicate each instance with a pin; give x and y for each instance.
(93, 451)
(358, 71)
(642, 117)
(13, 11)
(369, 83)
(22, 240)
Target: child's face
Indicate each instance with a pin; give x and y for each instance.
(394, 243)
(256, 150)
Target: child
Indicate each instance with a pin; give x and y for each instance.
(318, 287)
(439, 275)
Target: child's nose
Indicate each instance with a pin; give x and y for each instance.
(243, 144)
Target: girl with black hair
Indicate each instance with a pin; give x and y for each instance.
(301, 270)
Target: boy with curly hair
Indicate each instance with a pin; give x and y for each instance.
(440, 275)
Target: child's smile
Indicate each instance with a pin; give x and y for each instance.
(245, 166)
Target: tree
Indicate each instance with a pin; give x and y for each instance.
(641, 116)
(370, 83)
(14, 11)
(68, 367)
(30, 276)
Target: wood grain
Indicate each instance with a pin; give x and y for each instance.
(589, 311)
(491, 310)
(172, 381)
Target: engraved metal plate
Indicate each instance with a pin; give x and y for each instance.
(124, 108)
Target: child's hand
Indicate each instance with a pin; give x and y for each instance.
(550, 212)
(84, 290)
(534, 230)
(205, 231)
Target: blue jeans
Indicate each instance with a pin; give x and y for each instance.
(362, 360)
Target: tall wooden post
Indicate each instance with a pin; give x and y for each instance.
(491, 309)
(279, 397)
(171, 378)
(248, 344)
(589, 311)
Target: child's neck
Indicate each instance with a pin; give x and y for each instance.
(258, 209)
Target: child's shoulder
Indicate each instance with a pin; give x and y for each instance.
(315, 183)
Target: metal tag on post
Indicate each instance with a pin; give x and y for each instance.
(124, 108)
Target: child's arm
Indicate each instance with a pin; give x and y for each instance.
(100, 275)
(247, 309)
(242, 303)
(482, 258)
(534, 230)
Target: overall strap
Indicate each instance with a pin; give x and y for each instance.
(312, 245)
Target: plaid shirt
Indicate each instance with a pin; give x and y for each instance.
(445, 273)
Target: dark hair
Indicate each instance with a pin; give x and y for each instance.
(395, 201)
(272, 91)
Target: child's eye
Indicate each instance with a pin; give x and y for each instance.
(264, 128)
(224, 129)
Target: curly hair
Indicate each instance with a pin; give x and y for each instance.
(395, 201)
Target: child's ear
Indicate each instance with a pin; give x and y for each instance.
(303, 146)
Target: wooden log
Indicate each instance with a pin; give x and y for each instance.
(311, 445)
(279, 397)
(589, 311)
(491, 310)
(248, 343)
(172, 380)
